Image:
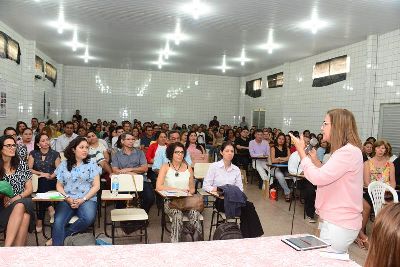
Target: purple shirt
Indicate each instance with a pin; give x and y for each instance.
(217, 175)
(258, 149)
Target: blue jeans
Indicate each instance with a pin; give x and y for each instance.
(61, 229)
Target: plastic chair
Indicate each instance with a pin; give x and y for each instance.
(376, 191)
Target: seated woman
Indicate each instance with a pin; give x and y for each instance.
(197, 152)
(161, 140)
(78, 179)
(177, 175)
(367, 150)
(385, 238)
(16, 213)
(43, 161)
(27, 139)
(183, 137)
(378, 168)
(223, 172)
(280, 154)
(98, 152)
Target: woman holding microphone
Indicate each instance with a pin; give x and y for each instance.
(339, 181)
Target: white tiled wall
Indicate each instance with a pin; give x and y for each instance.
(387, 86)
(160, 96)
(297, 105)
(24, 93)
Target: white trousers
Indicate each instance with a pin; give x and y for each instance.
(340, 238)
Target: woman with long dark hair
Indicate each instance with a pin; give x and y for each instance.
(43, 161)
(78, 180)
(16, 212)
(280, 154)
(196, 151)
(339, 181)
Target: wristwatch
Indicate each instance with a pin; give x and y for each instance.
(84, 199)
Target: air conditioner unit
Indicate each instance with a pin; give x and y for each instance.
(39, 74)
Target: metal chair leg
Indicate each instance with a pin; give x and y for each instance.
(211, 226)
(113, 233)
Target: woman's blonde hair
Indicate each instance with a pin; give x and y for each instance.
(343, 129)
(385, 238)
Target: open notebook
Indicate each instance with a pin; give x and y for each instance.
(305, 242)
(49, 195)
(173, 193)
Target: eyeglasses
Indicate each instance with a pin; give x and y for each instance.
(10, 145)
(179, 152)
(325, 124)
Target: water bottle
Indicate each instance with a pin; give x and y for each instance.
(115, 186)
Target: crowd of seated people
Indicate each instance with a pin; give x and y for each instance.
(102, 148)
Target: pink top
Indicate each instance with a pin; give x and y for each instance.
(339, 187)
(30, 146)
(196, 155)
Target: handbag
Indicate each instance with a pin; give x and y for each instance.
(6, 189)
(194, 202)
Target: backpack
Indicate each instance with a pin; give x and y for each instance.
(229, 230)
(80, 239)
(189, 233)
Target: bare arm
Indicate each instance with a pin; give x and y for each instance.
(392, 179)
(367, 174)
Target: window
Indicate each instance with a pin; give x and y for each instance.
(39, 66)
(253, 88)
(51, 73)
(9, 48)
(3, 45)
(275, 80)
(330, 71)
(13, 50)
(389, 119)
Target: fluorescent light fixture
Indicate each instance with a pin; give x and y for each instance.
(270, 45)
(160, 61)
(61, 21)
(178, 32)
(196, 8)
(167, 49)
(86, 56)
(242, 59)
(314, 24)
(75, 39)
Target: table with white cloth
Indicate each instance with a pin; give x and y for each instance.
(263, 251)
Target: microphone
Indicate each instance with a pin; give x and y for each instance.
(313, 143)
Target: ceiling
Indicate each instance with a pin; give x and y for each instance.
(129, 33)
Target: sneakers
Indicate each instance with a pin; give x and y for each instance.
(311, 220)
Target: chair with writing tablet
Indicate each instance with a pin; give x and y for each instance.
(199, 173)
(130, 183)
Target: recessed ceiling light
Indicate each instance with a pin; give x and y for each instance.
(196, 9)
(314, 24)
(223, 66)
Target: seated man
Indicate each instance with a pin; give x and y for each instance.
(64, 139)
(260, 148)
(147, 138)
(242, 147)
(133, 161)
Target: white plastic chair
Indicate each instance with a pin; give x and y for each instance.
(129, 183)
(376, 191)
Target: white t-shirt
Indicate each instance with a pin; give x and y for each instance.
(63, 141)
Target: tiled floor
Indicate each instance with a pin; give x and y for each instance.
(274, 215)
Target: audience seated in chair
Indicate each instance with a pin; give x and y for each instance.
(177, 175)
(16, 213)
(78, 180)
(378, 168)
(133, 161)
(260, 148)
(43, 161)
